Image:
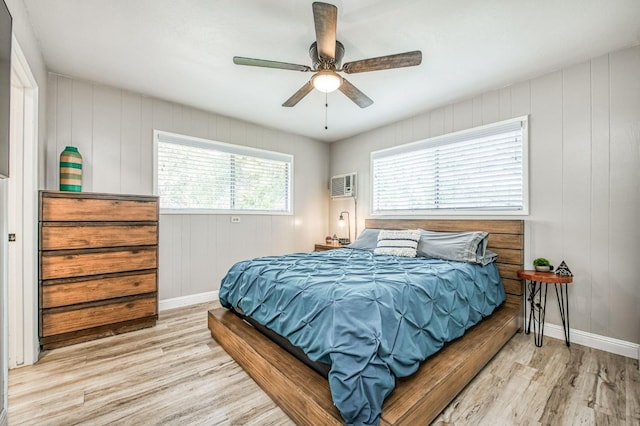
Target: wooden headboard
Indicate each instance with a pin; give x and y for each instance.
(506, 237)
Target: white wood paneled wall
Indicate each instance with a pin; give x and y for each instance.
(113, 130)
(584, 156)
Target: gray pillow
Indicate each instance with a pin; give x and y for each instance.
(368, 240)
(489, 257)
(459, 246)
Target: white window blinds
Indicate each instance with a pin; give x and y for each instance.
(478, 170)
(201, 175)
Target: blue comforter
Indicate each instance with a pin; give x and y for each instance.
(371, 317)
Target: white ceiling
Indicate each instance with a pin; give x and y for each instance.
(181, 50)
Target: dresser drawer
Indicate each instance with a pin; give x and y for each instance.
(56, 237)
(71, 208)
(60, 320)
(64, 264)
(61, 293)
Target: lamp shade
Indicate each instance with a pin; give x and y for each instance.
(326, 81)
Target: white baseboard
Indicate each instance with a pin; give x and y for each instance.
(192, 299)
(604, 343)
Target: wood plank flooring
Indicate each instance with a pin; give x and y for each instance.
(175, 374)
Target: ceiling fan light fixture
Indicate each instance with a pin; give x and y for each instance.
(326, 81)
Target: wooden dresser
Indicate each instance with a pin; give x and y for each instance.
(98, 258)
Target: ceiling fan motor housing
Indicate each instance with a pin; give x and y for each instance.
(318, 64)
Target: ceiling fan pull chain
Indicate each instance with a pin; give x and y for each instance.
(326, 109)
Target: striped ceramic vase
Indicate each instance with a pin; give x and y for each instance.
(70, 170)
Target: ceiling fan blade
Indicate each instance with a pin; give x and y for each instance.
(353, 93)
(297, 97)
(325, 17)
(400, 60)
(239, 60)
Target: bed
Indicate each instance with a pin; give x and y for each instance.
(416, 399)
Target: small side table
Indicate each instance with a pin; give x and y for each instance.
(327, 246)
(537, 299)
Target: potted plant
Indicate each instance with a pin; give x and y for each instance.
(541, 264)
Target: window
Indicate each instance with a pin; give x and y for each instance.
(197, 175)
(477, 171)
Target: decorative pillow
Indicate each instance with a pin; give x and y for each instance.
(459, 246)
(398, 243)
(367, 240)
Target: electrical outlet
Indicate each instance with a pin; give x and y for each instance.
(235, 219)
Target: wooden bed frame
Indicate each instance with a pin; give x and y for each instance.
(416, 400)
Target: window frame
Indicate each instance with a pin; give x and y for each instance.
(457, 137)
(229, 148)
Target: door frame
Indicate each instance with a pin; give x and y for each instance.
(22, 301)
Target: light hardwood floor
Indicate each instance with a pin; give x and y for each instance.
(175, 374)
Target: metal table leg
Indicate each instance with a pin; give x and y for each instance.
(563, 306)
(537, 306)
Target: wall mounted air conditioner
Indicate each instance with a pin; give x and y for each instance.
(343, 185)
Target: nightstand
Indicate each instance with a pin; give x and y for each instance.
(537, 299)
(327, 246)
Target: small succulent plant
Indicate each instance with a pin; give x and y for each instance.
(541, 261)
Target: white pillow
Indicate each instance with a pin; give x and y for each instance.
(398, 243)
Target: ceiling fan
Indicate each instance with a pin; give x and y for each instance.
(326, 57)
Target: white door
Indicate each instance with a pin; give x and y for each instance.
(14, 226)
(22, 219)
